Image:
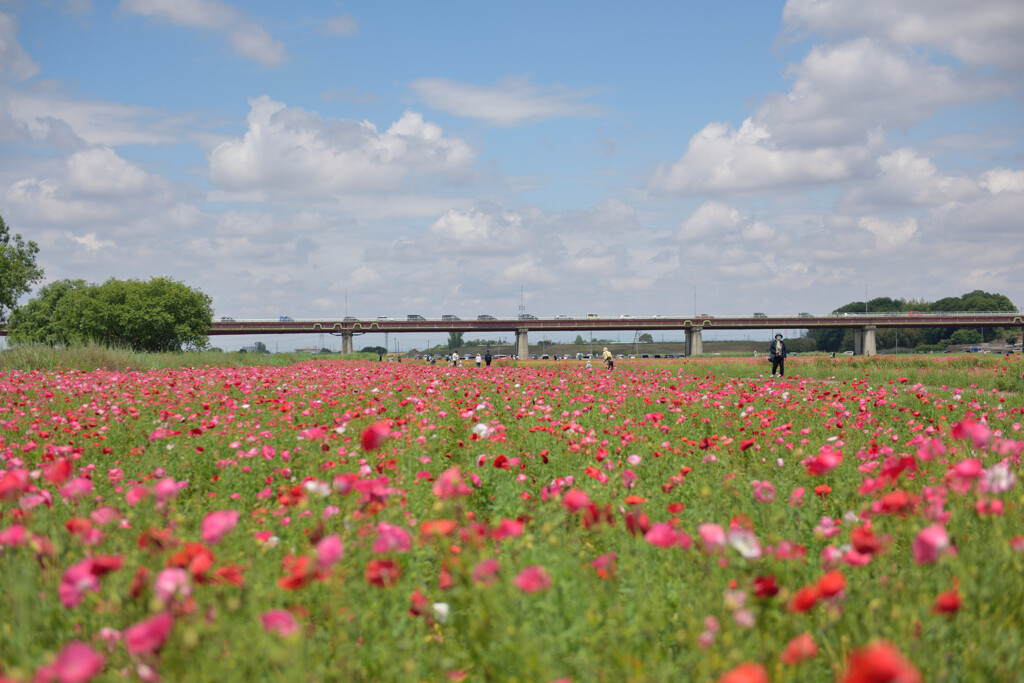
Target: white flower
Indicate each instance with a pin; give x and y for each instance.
(320, 489)
(441, 611)
(999, 478)
(482, 430)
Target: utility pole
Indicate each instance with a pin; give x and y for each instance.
(346, 302)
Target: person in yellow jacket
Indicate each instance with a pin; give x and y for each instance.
(609, 361)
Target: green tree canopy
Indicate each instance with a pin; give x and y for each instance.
(18, 269)
(159, 315)
(965, 337)
(645, 338)
(454, 340)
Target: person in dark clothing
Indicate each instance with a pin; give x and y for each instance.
(777, 355)
(487, 357)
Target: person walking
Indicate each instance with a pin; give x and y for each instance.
(777, 355)
(488, 357)
(609, 360)
(478, 359)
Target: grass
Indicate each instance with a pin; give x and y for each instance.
(88, 357)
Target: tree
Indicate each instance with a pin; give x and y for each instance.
(18, 269)
(260, 347)
(379, 350)
(579, 340)
(159, 315)
(645, 338)
(965, 336)
(454, 340)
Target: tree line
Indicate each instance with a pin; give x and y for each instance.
(920, 338)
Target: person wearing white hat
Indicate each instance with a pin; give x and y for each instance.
(777, 355)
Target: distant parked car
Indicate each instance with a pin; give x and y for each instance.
(413, 316)
(527, 316)
(227, 319)
(484, 316)
(285, 319)
(760, 315)
(449, 316)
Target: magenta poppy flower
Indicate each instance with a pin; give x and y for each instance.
(328, 551)
(450, 485)
(146, 637)
(77, 662)
(279, 621)
(929, 544)
(217, 525)
(486, 572)
(533, 579)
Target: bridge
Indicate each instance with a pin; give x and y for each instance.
(862, 324)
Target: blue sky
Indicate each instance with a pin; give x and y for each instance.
(434, 158)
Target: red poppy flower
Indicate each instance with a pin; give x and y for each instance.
(383, 573)
(765, 586)
(804, 599)
(947, 602)
(880, 662)
(798, 649)
(747, 672)
(373, 437)
(831, 584)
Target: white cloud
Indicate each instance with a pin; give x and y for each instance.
(889, 234)
(475, 228)
(290, 152)
(341, 25)
(980, 32)
(1003, 180)
(89, 241)
(512, 102)
(13, 59)
(906, 179)
(841, 93)
(247, 38)
(721, 159)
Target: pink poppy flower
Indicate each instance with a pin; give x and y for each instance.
(977, 433)
(77, 662)
(391, 539)
(662, 535)
(279, 621)
(575, 500)
(13, 536)
(449, 485)
(146, 637)
(930, 544)
(764, 491)
(712, 536)
(165, 490)
(217, 525)
(78, 487)
(796, 498)
(533, 579)
(172, 583)
(328, 551)
(137, 494)
(486, 572)
(375, 435)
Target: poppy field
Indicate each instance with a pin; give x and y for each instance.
(537, 522)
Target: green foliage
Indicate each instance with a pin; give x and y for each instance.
(965, 337)
(645, 338)
(801, 345)
(579, 340)
(18, 269)
(260, 347)
(378, 350)
(159, 315)
(454, 340)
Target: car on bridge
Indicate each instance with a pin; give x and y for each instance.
(449, 316)
(563, 316)
(592, 316)
(527, 316)
(484, 316)
(414, 316)
(285, 319)
(626, 316)
(350, 319)
(760, 315)
(227, 319)
(804, 315)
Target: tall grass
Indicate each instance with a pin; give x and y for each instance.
(93, 356)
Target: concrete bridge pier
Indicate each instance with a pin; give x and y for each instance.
(869, 340)
(522, 344)
(346, 342)
(694, 341)
(864, 341)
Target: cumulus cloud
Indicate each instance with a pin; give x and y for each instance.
(247, 38)
(722, 159)
(906, 179)
(889, 234)
(979, 33)
(89, 241)
(289, 151)
(93, 185)
(13, 59)
(513, 101)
